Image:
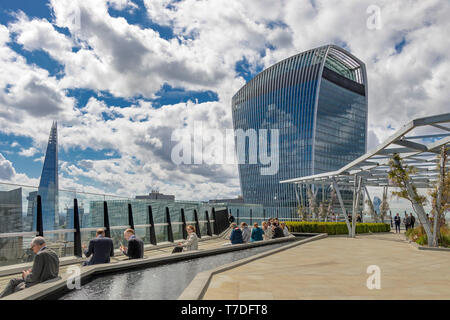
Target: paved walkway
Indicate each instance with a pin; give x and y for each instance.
(157, 252)
(335, 268)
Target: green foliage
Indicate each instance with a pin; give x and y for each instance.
(419, 236)
(400, 173)
(335, 227)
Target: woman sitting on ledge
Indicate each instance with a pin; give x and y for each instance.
(257, 233)
(191, 243)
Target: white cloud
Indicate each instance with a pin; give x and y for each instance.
(8, 174)
(210, 38)
(28, 152)
(6, 169)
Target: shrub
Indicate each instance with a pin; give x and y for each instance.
(419, 236)
(335, 227)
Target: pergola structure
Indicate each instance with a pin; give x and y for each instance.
(418, 143)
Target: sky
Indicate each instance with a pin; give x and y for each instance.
(120, 75)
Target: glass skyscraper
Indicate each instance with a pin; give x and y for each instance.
(48, 185)
(318, 101)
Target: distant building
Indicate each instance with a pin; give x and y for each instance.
(11, 249)
(376, 204)
(239, 199)
(68, 219)
(317, 103)
(155, 195)
(48, 186)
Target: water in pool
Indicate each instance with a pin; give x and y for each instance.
(162, 282)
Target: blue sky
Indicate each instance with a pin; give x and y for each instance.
(120, 76)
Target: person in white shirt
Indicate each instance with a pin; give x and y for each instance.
(268, 234)
(191, 243)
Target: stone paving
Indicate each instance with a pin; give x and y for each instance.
(336, 268)
(157, 252)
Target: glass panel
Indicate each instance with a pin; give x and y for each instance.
(17, 213)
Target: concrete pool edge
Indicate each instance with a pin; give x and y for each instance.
(58, 287)
(73, 260)
(199, 285)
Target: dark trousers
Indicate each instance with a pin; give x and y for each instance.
(177, 249)
(397, 227)
(13, 286)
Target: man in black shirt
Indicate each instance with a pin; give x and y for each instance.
(412, 221)
(277, 232)
(397, 221)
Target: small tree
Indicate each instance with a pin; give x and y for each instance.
(440, 195)
(312, 204)
(330, 208)
(384, 206)
(323, 213)
(399, 174)
(371, 211)
(302, 213)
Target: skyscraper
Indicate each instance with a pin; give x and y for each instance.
(48, 185)
(318, 102)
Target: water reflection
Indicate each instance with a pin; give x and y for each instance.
(164, 282)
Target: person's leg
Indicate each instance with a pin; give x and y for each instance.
(10, 288)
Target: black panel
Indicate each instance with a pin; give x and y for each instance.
(341, 81)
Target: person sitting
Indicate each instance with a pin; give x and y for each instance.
(285, 229)
(45, 267)
(101, 248)
(277, 232)
(276, 222)
(135, 248)
(257, 233)
(236, 234)
(245, 232)
(191, 243)
(268, 234)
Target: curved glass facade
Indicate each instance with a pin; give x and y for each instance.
(318, 101)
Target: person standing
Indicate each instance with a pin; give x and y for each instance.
(135, 248)
(406, 221)
(413, 220)
(101, 248)
(230, 218)
(397, 221)
(257, 233)
(358, 218)
(45, 267)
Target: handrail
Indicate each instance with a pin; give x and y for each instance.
(17, 234)
(92, 228)
(60, 231)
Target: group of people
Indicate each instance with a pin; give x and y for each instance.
(102, 248)
(46, 262)
(271, 229)
(408, 221)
